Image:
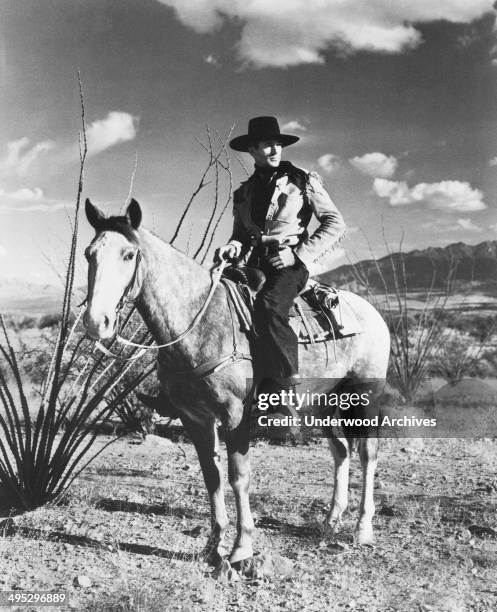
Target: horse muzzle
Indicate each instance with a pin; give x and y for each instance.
(99, 325)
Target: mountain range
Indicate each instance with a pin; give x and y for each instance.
(459, 264)
(19, 297)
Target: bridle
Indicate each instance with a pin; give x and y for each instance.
(129, 287)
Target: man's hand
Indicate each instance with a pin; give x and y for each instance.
(227, 253)
(283, 259)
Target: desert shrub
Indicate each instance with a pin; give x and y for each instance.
(35, 364)
(487, 366)
(458, 357)
(49, 320)
(134, 415)
(480, 326)
(25, 322)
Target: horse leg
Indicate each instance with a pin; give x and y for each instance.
(368, 452)
(341, 455)
(206, 441)
(237, 443)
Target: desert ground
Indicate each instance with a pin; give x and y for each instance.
(128, 534)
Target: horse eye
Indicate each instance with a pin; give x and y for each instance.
(129, 256)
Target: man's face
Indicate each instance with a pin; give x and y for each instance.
(267, 153)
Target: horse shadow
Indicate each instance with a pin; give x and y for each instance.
(119, 505)
(269, 523)
(8, 529)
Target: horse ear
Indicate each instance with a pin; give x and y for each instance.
(94, 215)
(134, 214)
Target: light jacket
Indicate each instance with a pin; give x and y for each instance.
(297, 195)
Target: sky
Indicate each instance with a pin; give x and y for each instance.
(395, 104)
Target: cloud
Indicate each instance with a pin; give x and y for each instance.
(375, 164)
(493, 162)
(24, 194)
(3, 251)
(451, 196)
(293, 126)
(30, 200)
(19, 157)
(49, 207)
(102, 134)
(117, 127)
(329, 162)
(290, 32)
(469, 225)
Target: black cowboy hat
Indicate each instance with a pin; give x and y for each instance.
(261, 128)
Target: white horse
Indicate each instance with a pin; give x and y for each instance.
(169, 289)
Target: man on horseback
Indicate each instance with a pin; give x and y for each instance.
(272, 211)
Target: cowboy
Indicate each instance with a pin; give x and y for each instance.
(272, 211)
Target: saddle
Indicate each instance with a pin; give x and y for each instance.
(319, 313)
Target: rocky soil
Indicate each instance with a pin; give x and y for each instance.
(128, 534)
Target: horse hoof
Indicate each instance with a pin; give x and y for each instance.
(365, 537)
(331, 527)
(225, 572)
(245, 568)
(241, 554)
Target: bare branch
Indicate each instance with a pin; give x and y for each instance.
(213, 160)
(131, 184)
(213, 213)
(228, 199)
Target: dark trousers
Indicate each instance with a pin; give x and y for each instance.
(276, 345)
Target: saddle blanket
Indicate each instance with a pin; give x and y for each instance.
(320, 313)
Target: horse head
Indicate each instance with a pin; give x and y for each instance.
(113, 259)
